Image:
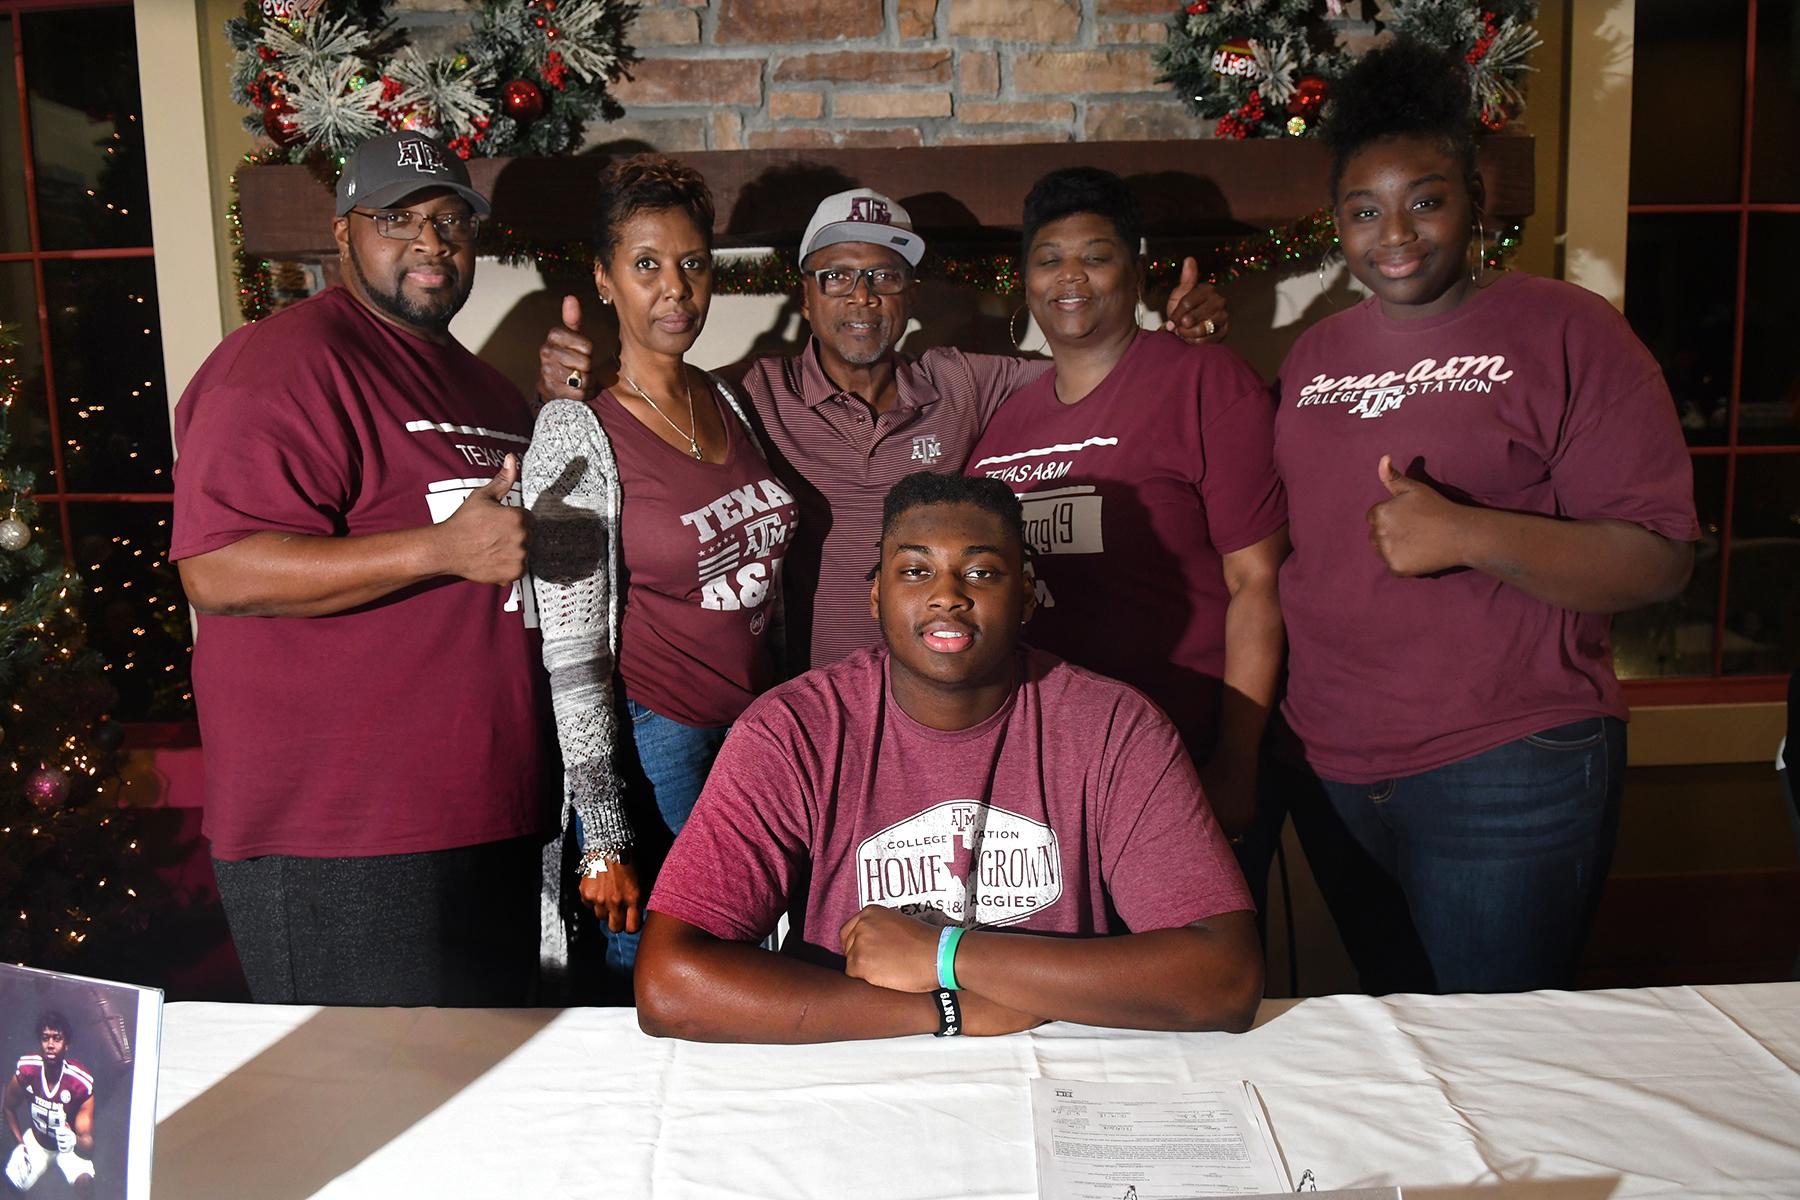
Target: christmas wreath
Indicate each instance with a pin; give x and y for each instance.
(324, 75)
(1495, 38)
(1258, 68)
(1263, 68)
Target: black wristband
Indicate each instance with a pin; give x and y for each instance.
(949, 1013)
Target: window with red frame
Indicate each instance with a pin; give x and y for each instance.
(1713, 258)
(77, 280)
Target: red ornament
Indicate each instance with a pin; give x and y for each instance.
(1198, 8)
(278, 122)
(522, 100)
(1309, 96)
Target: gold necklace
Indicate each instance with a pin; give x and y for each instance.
(693, 429)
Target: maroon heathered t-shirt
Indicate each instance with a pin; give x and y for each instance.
(702, 545)
(1532, 396)
(1132, 496)
(414, 723)
(1074, 809)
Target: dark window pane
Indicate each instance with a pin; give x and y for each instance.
(1676, 637)
(87, 132)
(106, 345)
(1762, 601)
(1769, 410)
(15, 223)
(1679, 291)
(1775, 132)
(28, 422)
(1687, 100)
(136, 614)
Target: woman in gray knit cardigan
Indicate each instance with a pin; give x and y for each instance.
(659, 531)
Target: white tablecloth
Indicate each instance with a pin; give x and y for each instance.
(1551, 1095)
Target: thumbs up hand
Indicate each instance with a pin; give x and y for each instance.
(1416, 530)
(566, 358)
(1196, 312)
(486, 537)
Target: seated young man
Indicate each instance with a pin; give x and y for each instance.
(957, 810)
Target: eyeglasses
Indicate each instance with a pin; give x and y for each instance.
(842, 281)
(404, 225)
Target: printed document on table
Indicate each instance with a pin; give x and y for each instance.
(1151, 1141)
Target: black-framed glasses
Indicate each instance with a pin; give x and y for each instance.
(841, 281)
(404, 225)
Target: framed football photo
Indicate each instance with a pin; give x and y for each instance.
(80, 1092)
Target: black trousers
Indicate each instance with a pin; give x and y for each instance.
(446, 928)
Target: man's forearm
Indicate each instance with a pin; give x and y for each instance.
(694, 986)
(1205, 976)
(297, 575)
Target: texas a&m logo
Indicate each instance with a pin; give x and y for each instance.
(421, 156)
(927, 449)
(868, 208)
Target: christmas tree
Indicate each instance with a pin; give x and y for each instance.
(67, 864)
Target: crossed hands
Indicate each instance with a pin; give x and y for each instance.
(1417, 530)
(892, 950)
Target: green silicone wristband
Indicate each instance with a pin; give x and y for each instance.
(946, 964)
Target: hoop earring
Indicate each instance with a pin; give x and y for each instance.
(1137, 314)
(1012, 327)
(1479, 270)
(1324, 261)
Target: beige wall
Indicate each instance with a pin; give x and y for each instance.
(183, 208)
(1597, 157)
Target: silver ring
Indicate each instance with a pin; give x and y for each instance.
(1208, 327)
(574, 380)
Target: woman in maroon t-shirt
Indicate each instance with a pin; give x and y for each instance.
(1481, 466)
(656, 553)
(1155, 517)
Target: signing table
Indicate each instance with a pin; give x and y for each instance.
(1554, 1095)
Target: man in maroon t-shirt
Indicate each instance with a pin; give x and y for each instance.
(365, 668)
(926, 813)
(850, 416)
(57, 1094)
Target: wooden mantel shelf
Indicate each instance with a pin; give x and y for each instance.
(1188, 189)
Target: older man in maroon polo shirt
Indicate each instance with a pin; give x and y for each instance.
(850, 416)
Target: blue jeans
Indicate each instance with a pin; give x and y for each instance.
(1478, 876)
(665, 767)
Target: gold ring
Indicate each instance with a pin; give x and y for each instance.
(1208, 327)
(575, 380)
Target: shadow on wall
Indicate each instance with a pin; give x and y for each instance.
(1268, 311)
